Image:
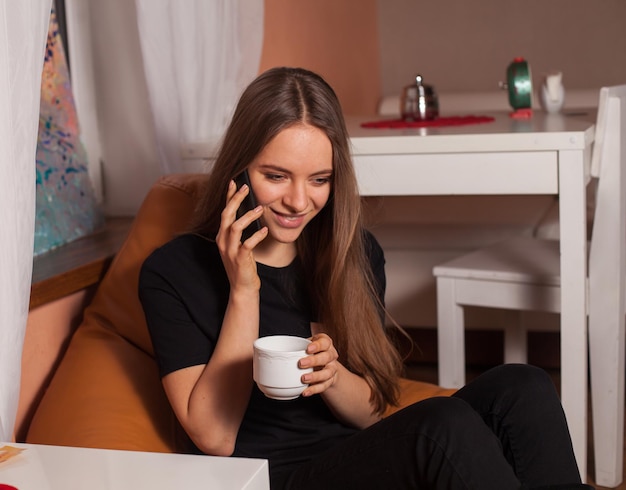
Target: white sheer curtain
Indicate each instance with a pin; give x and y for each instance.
(198, 56)
(80, 51)
(154, 80)
(23, 32)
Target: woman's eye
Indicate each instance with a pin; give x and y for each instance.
(273, 177)
(322, 180)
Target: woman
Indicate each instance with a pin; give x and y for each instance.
(312, 270)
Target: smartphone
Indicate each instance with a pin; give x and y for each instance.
(248, 204)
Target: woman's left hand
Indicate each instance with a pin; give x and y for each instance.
(323, 358)
(346, 394)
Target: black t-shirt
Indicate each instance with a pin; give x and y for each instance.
(184, 291)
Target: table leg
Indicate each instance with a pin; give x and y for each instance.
(573, 239)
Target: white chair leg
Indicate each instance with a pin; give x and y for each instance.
(451, 334)
(516, 342)
(606, 345)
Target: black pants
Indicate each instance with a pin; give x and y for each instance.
(504, 430)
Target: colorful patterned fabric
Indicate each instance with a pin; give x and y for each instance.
(66, 206)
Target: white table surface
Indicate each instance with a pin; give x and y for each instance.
(546, 154)
(486, 158)
(42, 467)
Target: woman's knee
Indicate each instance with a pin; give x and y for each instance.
(513, 388)
(514, 379)
(509, 387)
(523, 371)
(525, 379)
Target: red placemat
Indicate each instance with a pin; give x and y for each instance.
(440, 121)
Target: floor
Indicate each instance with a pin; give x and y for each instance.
(428, 372)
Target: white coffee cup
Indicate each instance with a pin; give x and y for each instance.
(275, 366)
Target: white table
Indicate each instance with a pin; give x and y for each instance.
(547, 154)
(44, 467)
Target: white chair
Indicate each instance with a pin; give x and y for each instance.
(524, 274)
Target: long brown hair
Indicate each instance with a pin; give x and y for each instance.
(332, 246)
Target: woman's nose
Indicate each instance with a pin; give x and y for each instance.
(296, 198)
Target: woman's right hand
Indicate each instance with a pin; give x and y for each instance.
(238, 258)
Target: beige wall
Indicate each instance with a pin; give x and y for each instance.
(337, 39)
(368, 49)
(460, 45)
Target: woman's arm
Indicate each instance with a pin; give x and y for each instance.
(210, 400)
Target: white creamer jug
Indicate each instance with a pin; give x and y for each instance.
(552, 92)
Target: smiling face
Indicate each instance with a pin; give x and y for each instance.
(292, 179)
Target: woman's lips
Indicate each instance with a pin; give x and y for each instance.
(289, 220)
